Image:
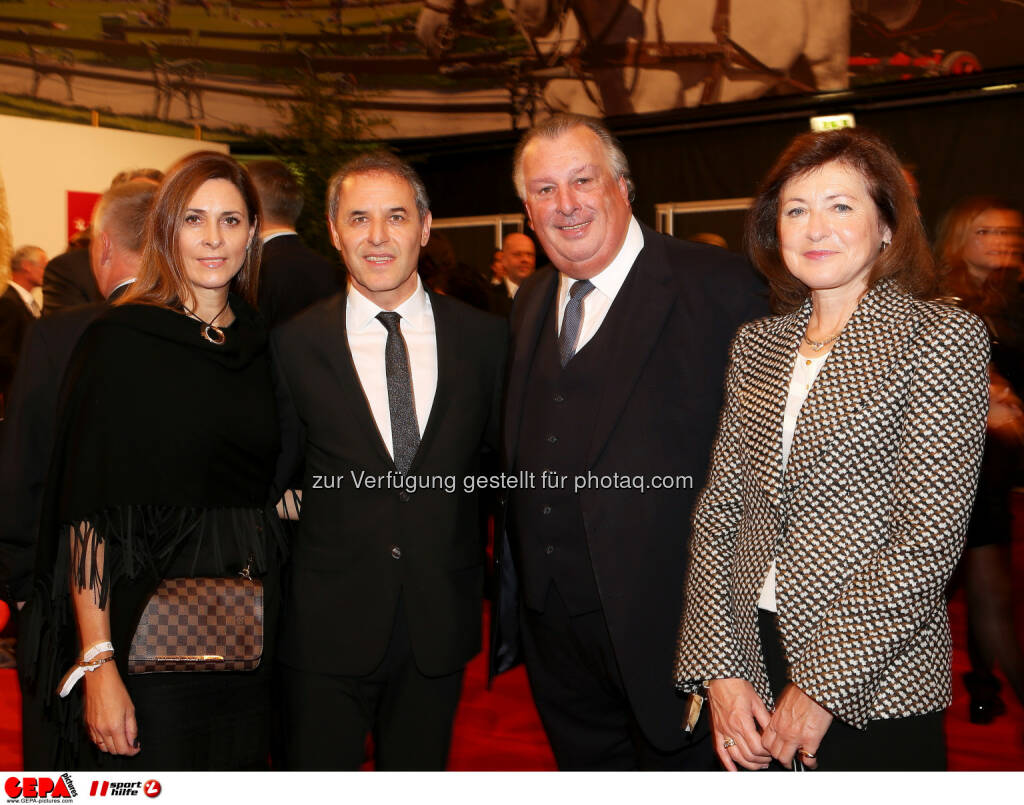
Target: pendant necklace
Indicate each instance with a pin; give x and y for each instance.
(209, 330)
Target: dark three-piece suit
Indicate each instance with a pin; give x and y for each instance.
(637, 404)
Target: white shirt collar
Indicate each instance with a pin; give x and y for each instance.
(511, 288)
(26, 297)
(269, 238)
(610, 279)
(361, 312)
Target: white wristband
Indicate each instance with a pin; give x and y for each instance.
(85, 665)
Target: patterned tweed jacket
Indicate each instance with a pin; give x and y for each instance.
(866, 524)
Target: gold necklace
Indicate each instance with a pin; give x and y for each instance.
(817, 346)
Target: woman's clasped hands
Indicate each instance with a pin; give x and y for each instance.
(747, 734)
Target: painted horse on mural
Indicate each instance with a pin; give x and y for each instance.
(614, 57)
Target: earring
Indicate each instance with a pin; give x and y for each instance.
(885, 245)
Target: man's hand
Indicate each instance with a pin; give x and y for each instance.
(736, 713)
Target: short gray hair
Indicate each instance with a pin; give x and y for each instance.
(122, 212)
(26, 254)
(377, 162)
(557, 125)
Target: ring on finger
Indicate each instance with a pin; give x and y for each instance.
(804, 754)
(727, 743)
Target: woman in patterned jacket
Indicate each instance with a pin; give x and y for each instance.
(841, 481)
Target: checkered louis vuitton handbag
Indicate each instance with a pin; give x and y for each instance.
(200, 625)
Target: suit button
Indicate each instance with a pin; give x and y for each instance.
(552, 439)
(559, 398)
(404, 497)
(549, 550)
(396, 552)
(546, 510)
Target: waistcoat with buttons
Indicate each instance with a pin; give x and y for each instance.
(555, 434)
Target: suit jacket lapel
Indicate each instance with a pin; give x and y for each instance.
(354, 402)
(527, 324)
(860, 361)
(770, 366)
(447, 351)
(642, 304)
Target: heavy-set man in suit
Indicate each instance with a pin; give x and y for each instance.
(390, 393)
(615, 383)
(27, 435)
(292, 276)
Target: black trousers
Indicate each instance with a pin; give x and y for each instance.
(582, 700)
(327, 717)
(914, 743)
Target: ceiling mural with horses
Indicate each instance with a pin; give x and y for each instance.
(406, 69)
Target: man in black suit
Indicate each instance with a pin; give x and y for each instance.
(292, 276)
(390, 393)
(27, 434)
(518, 261)
(615, 384)
(18, 309)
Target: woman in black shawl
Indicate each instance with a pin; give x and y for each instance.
(168, 437)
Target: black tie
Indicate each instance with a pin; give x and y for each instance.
(405, 433)
(572, 319)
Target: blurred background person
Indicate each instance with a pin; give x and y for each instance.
(68, 280)
(18, 309)
(292, 276)
(518, 261)
(979, 249)
(841, 481)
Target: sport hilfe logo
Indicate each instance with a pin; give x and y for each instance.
(26, 788)
(107, 788)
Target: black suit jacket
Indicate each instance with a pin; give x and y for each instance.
(293, 277)
(15, 320)
(68, 282)
(359, 549)
(26, 440)
(498, 301)
(655, 420)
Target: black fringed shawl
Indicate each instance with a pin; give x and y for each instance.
(166, 447)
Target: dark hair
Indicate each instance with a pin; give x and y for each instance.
(950, 242)
(907, 258)
(562, 123)
(162, 280)
(280, 192)
(376, 162)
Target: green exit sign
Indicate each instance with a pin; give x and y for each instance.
(829, 122)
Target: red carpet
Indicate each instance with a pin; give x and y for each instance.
(498, 730)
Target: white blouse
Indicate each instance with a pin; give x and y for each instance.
(805, 370)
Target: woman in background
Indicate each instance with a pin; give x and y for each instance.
(979, 249)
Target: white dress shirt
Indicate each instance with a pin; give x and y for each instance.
(805, 371)
(28, 299)
(511, 288)
(367, 338)
(606, 286)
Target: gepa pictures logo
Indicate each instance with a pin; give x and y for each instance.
(19, 789)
